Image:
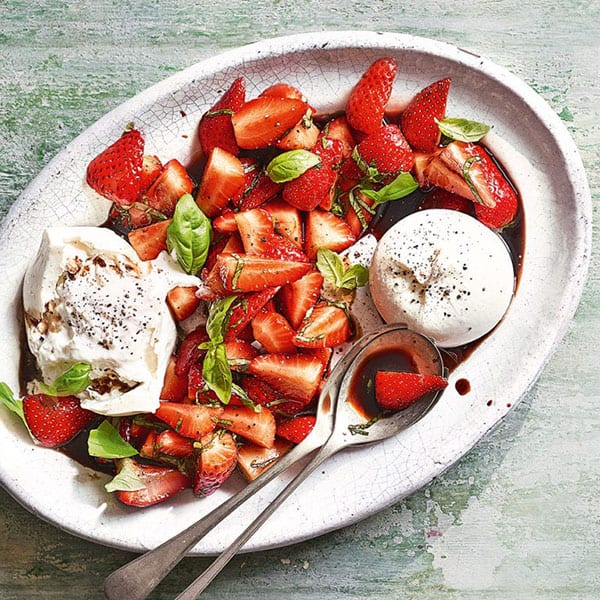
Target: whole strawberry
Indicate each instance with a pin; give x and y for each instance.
(116, 173)
(419, 119)
(52, 420)
(385, 150)
(397, 390)
(369, 98)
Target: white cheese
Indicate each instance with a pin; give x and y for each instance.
(88, 297)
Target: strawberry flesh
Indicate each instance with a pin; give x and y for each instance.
(397, 390)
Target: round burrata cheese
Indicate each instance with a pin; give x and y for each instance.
(87, 297)
(444, 274)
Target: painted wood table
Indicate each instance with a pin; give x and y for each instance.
(519, 516)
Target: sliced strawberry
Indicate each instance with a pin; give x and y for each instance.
(174, 387)
(440, 198)
(172, 183)
(298, 297)
(496, 202)
(296, 429)
(338, 129)
(256, 427)
(385, 150)
(325, 230)
(116, 172)
(296, 376)
(188, 350)
(262, 393)
(302, 136)
(190, 420)
(169, 442)
(324, 326)
(151, 169)
(357, 212)
(286, 220)
(216, 462)
(431, 170)
(151, 240)
(222, 179)
(197, 391)
(131, 216)
(160, 483)
(283, 90)
(239, 353)
(53, 421)
(369, 98)
(244, 309)
(419, 119)
(396, 390)
(272, 330)
(215, 129)
(225, 222)
(258, 187)
(254, 460)
(182, 301)
(249, 273)
(263, 120)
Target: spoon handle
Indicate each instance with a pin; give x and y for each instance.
(204, 579)
(136, 579)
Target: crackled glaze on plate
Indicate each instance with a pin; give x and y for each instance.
(360, 482)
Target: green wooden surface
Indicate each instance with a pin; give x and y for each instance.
(519, 517)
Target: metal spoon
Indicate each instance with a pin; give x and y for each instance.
(338, 425)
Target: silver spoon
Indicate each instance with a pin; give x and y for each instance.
(338, 425)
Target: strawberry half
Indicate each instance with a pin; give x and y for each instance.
(262, 393)
(387, 151)
(397, 390)
(296, 429)
(160, 483)
(369, 98)
(216, 462)
(190, 420)
(419, 119)
(172, 183)
(256, 427)
(244, 309)
(215, 129)
(263, 120)
(324, 326)
(149, 241)
(52, 420)
(116, 172)
(298, 297)
(254, 460)
(272, 330)
(323, 229)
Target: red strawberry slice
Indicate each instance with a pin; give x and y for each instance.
(395, 390)
(239, 353)
(222, 179)
(262, 393)
(250, 273)
(272, 330)
(151, 240)
(324, 326)
(172, 183)
(256, 427)
(302, 136)
(216, 462)
(338, 129)
(182, 301)
(296, 429)
(225, 222)
(190, 420)
(387, 151)
(160, 483)
(430, 170)
(151, 169)
(244, 309)
(298, 297)
(283, 90)
(169, 442)
(369, 98)
(254, 460)
(258, 186)
(323, 229)
(174, 388)
(116, 172)
(296, 376)
(188, 350)
(419, 119)
(215, 129)
(254, 226)
(496, 202)
(53, 421)
(263, 120)
(286, 220)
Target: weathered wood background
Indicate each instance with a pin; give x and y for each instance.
(519, 517)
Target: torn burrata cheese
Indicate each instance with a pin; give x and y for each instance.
(88, 298)
(444, 274)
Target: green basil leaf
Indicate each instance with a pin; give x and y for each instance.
(219, 312)
(402, 186)
(73, 381)
(356, 276)
(290, 165)
(106, 442)
(241, 393)
(189, 234)
(8, 399)
(216, 372)
(463, 130)
(330, 266)
(126, 480)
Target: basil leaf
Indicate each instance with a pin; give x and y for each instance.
(73, 381)
(8, 399)
(216, 372)
(218, 319)
(463, 130)
(290, 165)
(402, 186)
(106, 442)
(189, 234)
(126, 480)
(333, 270)
(356, 276)
(241, 393)
(371, 172)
